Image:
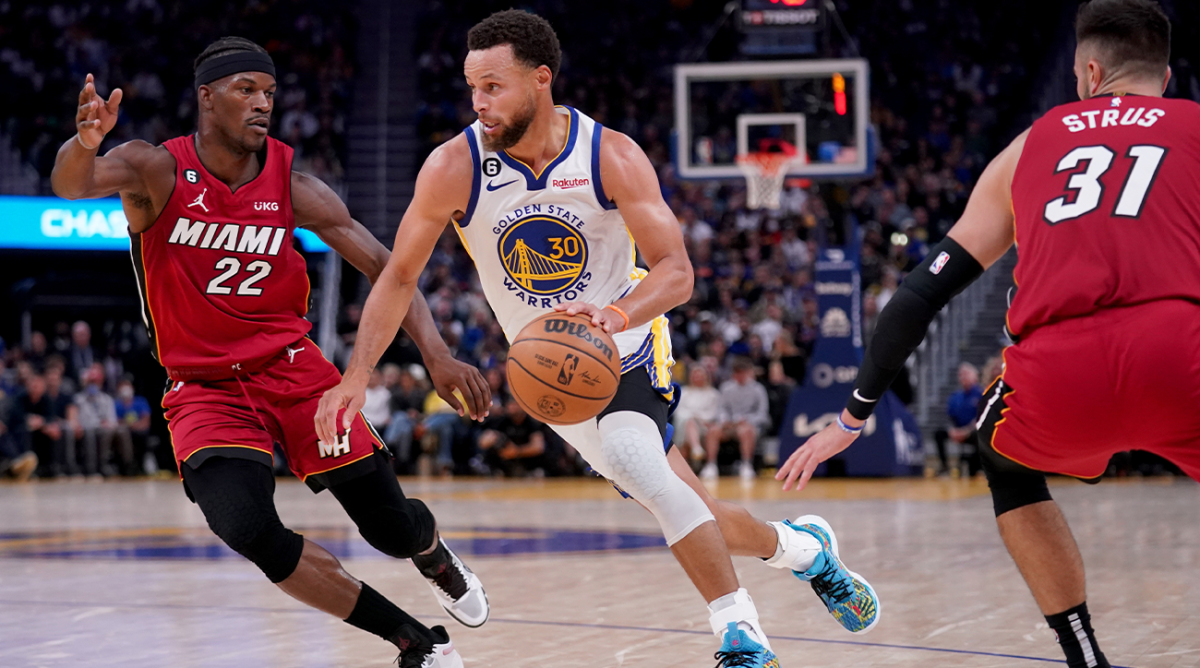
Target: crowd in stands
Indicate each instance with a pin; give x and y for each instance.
(146, 48)
(948, 90)
(71, 409)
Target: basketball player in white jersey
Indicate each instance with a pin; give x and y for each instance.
(550, 205)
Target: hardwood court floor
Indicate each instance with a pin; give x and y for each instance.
(126, 574)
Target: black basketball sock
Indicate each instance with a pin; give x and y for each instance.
(1075, 636)
(433, 563)
(375, 614)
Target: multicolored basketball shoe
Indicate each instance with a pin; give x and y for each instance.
(740, 651)
(846, 594)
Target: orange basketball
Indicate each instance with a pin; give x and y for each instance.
(562, 370)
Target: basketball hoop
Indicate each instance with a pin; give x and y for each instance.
(765, 171)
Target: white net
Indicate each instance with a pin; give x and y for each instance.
(765, 173)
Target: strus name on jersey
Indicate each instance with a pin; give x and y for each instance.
(234, 237)
(543, 253)
(1111, 118)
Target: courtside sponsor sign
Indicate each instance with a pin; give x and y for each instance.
(53, 223)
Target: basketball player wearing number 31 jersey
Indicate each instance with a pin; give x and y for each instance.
(553, 209)
(212, 217)
(1100, 196)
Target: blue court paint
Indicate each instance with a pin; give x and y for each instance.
(343, 542)
(531, 622)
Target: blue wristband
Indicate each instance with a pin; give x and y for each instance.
(847, 428)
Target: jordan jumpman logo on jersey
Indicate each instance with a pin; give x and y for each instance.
(200, 201)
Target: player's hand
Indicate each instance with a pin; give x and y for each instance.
(448, 374)
(825, 444)
(96, 117)
(605, 318)
(349, 395)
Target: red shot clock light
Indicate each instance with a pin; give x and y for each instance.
(839, 94)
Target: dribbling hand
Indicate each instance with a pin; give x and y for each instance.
(825, 444)
(350, 396)
(95, 117)
(604, 318)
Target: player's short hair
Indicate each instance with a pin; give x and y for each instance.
(532, 38)
(1130, 34)
(224, 46)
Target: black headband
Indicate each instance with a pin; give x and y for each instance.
(232, 63)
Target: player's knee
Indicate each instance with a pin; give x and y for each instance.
(274, 548)
(1013, 486)
(399, 532)
(636, 463)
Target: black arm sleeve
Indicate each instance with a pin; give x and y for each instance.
(902, 325)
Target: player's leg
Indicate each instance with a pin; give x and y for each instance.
(405, 529)
(806, 547)
(1037, 536)
(236, 497)
(628, 450)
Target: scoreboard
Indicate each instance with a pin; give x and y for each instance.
(781, 27)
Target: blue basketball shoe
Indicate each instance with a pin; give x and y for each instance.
(740, 651)
(846, 594)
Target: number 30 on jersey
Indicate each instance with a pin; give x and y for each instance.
(1085, 189)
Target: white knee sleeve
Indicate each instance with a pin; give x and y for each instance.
(633, 457)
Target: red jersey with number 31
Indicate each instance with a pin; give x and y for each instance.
(1107, 209)
(220, 281)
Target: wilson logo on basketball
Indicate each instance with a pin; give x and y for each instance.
(559, 326)
(567, 184)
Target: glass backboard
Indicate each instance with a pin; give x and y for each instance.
(723, 110)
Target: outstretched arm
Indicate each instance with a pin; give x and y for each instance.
(630, 180)
(443, 188)
(78, 172)
(319, 209)
(983, 235)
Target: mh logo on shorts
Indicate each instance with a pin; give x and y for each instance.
(341, 447)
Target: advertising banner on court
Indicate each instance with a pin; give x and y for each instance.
(891, 442)
(53, 223)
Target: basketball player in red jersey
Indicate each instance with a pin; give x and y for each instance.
(1101, 197)
(211, 221)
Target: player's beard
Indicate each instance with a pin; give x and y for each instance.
(513, 131)
(242, 142)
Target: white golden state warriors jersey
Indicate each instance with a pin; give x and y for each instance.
(539, 240)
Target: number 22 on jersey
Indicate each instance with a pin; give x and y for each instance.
(1085, 189)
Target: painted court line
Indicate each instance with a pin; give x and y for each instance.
(533, 622)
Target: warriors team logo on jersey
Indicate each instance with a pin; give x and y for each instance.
(542, 255)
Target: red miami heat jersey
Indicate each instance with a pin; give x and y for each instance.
(1107, 209)
(220, 281)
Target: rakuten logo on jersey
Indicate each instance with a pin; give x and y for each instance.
(567, 184)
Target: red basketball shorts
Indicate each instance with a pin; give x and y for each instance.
(244, 417)
(1075, 392)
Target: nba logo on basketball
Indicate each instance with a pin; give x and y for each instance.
(942, 259)
(567, 373)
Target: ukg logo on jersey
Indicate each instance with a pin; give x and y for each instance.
(567, 184)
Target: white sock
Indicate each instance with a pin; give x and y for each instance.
(794, 550)
(737, 607)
